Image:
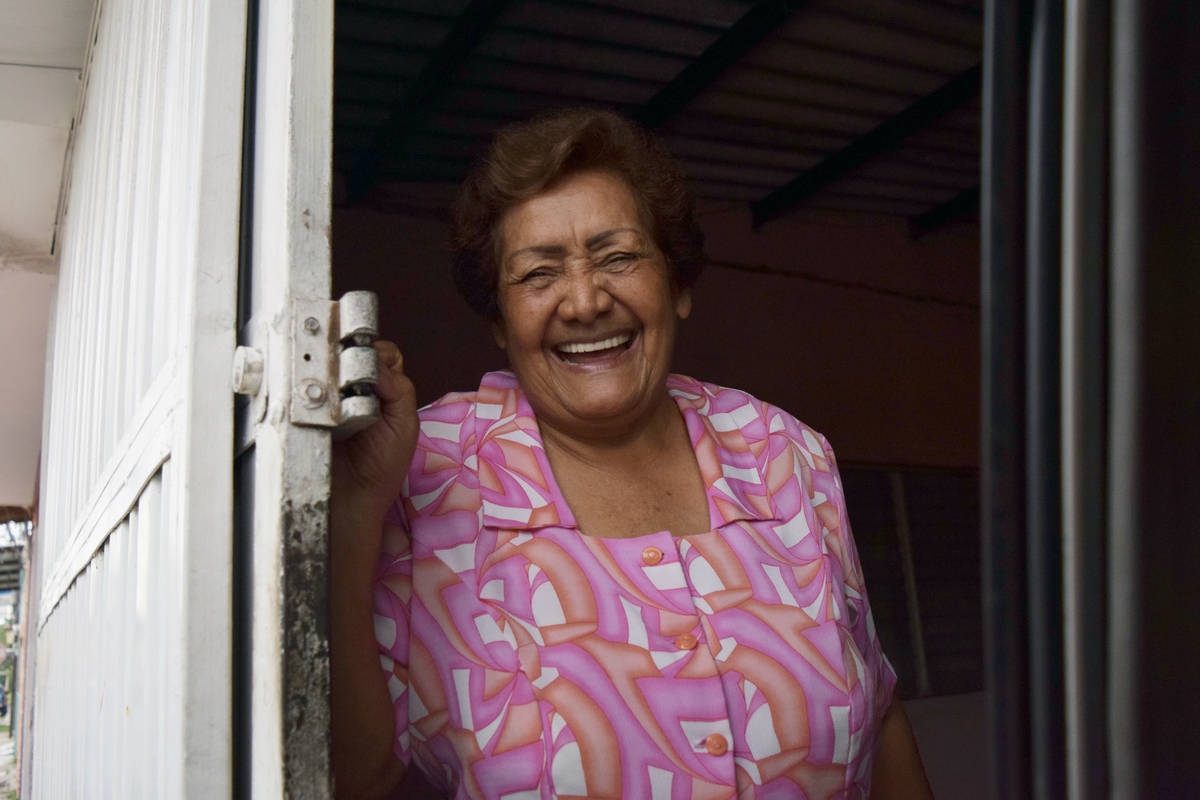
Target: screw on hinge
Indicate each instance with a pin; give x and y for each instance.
(312, 325)
(313, 393)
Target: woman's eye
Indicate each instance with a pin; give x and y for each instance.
(619, 259)
(535, 275)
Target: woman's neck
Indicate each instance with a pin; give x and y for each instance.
(636, 481)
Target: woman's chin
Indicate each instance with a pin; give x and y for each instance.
(605, 397)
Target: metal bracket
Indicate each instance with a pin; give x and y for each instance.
(334, 368)
(314, 371)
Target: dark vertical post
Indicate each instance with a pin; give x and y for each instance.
(1002, 490)
(1043, 477)
(242, 624)
(1154, 463)
(1085, 395)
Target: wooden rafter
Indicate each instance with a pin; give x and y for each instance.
(887, 136)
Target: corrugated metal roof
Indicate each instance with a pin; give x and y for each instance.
(832, 72)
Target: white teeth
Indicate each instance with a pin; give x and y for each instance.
(591, 347)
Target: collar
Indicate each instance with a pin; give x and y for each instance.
(518, 489)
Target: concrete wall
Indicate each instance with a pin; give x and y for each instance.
(880, 364)
(25, 298)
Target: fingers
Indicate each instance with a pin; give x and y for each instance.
(389, 354)
(393, 385)
(376, 458)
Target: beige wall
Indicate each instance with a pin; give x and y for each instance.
(887, 378)
(25, 300)
(42, 49)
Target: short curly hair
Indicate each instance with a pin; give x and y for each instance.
(528, 158)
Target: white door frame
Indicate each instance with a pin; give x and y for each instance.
(289, 268)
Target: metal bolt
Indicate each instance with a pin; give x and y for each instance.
(312, 325)
(247, 370)
(312, 393)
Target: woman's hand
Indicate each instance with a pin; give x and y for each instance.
(369, 467)
(368, 471)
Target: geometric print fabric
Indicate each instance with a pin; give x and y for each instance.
(527, 660)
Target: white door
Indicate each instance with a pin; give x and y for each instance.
(181, 645)
(131, 688)
(284, 425)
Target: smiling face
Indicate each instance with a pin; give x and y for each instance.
(587, 310)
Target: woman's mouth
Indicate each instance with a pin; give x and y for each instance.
(586, 353)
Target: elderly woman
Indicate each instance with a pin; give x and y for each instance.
(591, 577)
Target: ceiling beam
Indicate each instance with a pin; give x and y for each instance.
(737, 40)
(887, 136)
(465, 35)
(958, 206)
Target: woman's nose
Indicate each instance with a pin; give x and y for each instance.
(586, 298)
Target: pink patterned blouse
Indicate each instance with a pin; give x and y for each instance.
(528, 661)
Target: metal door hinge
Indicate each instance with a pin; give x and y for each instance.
(334, 369)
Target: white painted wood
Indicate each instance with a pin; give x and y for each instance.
(291, 261)
(205, 446)
(146, 446)
(132, 695)
(116, 687)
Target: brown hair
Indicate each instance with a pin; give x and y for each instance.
(527, 158)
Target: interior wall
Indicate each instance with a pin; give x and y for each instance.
(951, 737)
(877, 346)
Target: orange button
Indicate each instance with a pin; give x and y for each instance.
(651, 555)
(716, 745)
(685, 641)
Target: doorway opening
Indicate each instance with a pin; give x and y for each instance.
(834, 149)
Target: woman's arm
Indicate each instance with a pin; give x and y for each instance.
(368, 470)
(898, 773)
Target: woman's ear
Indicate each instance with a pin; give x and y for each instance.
(499, 333)
(683, 303)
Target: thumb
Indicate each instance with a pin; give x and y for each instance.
(393, 386)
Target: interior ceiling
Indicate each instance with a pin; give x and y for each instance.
(865, 105)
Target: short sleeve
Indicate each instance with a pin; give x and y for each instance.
(879, 672)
